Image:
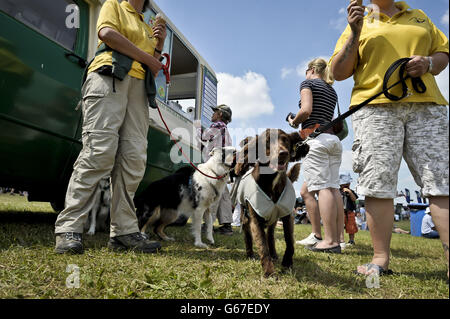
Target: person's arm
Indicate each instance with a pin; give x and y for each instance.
(306, 109)
(343, 63)
(419, 65)
(118, 42)
(160, 33)
(350, 194)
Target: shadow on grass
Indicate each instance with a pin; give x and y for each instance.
(367, 250)
(28, 218)
(428, 275)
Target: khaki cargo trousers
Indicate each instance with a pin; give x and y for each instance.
(115, 127)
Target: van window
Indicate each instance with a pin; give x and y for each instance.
(209, 98)
(48, 17)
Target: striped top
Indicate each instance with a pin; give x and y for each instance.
(324, 102)
(216, 136)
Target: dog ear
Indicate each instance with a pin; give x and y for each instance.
(294, 173)
(242, 161)
(297, 152)
(245, 141)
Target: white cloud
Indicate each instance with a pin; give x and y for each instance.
(248, 96)
(340, 22)
(444, 19)
(285, 72)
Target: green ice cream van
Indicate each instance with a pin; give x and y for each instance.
(44, 48)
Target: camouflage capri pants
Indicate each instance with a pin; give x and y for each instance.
(384, 133)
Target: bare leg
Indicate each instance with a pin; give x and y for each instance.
(340, 214)
(313, 210)
(329, 213)
(439, 213)
(380, 218)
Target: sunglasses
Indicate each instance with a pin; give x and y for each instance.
(309, 69)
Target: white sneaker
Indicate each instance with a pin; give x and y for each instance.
(343, 245)
(309, 241)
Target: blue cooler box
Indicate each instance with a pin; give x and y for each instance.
(417, 211)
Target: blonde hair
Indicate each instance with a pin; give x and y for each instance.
(321, 67)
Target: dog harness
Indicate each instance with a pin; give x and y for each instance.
(249, 191)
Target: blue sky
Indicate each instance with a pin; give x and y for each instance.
(259, 50)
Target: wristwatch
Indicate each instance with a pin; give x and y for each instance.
(430, 64)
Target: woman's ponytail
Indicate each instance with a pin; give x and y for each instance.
(321, 67)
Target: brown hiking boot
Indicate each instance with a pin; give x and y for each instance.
(69, 243)
(136, 242)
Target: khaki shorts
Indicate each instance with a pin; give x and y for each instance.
(321, 165)
(384, 133)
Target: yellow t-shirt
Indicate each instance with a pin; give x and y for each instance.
(383, 41)
(124, 19)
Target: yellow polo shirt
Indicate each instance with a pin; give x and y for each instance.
(383, 41)
(124, 19)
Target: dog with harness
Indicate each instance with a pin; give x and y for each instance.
(266, 194)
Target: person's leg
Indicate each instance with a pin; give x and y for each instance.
(131, 160)
(102, 117)
(340, 214)
(380, 218)
(225, 213)
(328, 211)
(313, 210)
(439, 212)
(427, 156)
(376, 156)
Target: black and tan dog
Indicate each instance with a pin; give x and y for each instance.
(266, 193)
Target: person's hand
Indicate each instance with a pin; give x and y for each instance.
(154, 65)
(197, 123)
(160, 33)
(291, 122)
(346, 190)
(418, 66)
(355, 16)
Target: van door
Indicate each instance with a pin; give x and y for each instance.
(43, 47)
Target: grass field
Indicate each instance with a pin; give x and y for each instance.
(30, 269)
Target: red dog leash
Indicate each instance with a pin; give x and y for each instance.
(165, 69)
(166, 66)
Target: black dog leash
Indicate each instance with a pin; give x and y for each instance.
(418, 85)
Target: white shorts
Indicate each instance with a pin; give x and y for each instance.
(321, 165)
(386, 132)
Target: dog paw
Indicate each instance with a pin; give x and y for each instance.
(270, 274)
(169, 239)
(287, 263)
(91, 232)
(201, 245)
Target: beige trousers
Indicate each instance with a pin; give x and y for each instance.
(115, 127)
